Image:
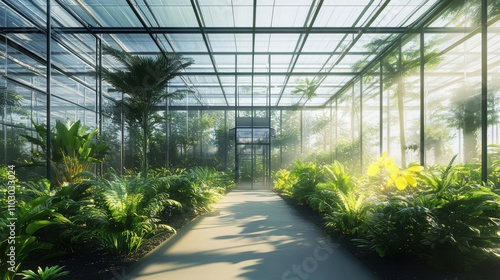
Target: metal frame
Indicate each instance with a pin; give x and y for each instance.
(48, 81)
(484, 90)
(402, 32)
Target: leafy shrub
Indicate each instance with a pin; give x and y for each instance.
(283, 181)
(337, 197)
(398, 227)
(308, 176)
(198, 188)
(49, 273)
(37, 217)
(450, 220)
(72, 151)
(390, 174)
(350, 214)
(468, 229)
(126, 211)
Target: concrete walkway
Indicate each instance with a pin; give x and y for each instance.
(251, 235)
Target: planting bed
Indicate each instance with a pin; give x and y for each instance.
(90, 263)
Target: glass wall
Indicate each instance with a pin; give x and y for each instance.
(371, 125)
(493, 83)
(419, 99)
(453, 87)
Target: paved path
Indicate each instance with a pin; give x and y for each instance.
(251, 235)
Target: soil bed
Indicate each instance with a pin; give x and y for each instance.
(397, 268)
(89, 262)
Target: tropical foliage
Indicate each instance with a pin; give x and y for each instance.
(143, 81)
(116, 214)
(72, 149)
(447, 217)
(48, 273)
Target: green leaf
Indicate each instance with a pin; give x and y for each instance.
(36, 225)
(35, 202)
(35, 141)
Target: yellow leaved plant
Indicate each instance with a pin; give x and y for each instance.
(386, 169)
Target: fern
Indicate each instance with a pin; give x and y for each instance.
(49, 273)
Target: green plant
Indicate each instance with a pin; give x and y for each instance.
(398, 227)
(283, 181)
(35, 215)
(308, 176)
(397, 67)
(468, 229)
(388, 173)
(451, 220)
(72, 151)
(307, 89)
(465, 115)
(127, 211)
(345, 209)
(338, 177)
(197, 189)
(349, 214)
(48, 273)
(143, 81)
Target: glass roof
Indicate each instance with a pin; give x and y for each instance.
(249, 52)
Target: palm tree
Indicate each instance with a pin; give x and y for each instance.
(465, 114)
(396, 70)
(8, 99)
(143, 82)
(307, 89)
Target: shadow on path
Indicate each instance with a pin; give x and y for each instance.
(250, 235)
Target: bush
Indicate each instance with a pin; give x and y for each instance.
(308, 176)
(198, 188)
(126, 211)
(283, 181)
(447, 217)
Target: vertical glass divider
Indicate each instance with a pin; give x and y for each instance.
(48, 87)
(422, 98)
(361, 124)
(484, 90)
(381, 110)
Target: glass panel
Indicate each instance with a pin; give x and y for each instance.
(322, 42)
(494, 91)
(111, 14)
(402, 13)
(347, 148)
(334, 13)
(222, 42)
(371, 116)
(111, 129)
(290, 13)
(187, 42)
(177, 13)
(453, 97)
(220, 14)
(409, 91)
(286, 146)
(11, 19)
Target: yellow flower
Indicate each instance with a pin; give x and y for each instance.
(383, 162)
(406, 177)
(401, 178)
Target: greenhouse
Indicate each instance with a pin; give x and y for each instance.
(376, 122)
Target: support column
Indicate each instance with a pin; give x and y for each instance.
(98, 93)
(167, 132)
(484, 90)
(361, 125)
(422, 98)
(381, 110)
(48, 86)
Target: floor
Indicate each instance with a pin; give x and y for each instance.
(252, 234)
